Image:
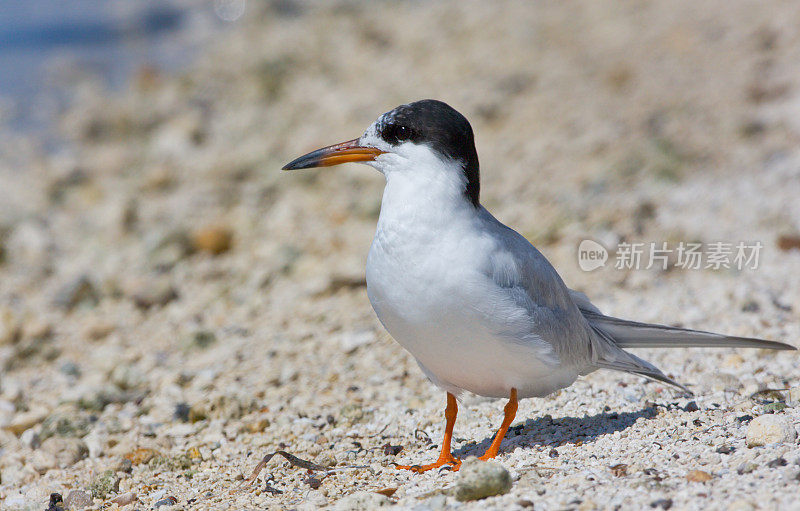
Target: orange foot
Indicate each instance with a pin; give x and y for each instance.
(454, 463)
(445, 457)
(510, 413)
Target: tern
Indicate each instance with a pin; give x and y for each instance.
(478, 306)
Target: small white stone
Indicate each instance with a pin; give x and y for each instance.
(434, 503)
(316, 498)
(17, 475)
(480, 479)
(77, 500)
(30, 438)
(362, 501)
(794, 396)
(741, 505)
(15, 501)
(7, 408)
(67, 451)
(350, 341)
(95, 443)
(769, 429)
(42, 461)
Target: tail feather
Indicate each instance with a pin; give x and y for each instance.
(659, 376)
(607, 355)
(610, 335)
(632, 334)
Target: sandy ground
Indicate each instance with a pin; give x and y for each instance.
(169, 297)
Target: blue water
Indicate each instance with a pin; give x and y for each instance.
(45, 43)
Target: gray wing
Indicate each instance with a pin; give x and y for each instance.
(553, 315)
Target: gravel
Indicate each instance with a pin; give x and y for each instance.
(169, 297)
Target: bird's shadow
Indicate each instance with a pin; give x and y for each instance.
(550, 432)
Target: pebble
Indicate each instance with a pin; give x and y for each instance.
(97, 330)
(42, 461)
(353, 413)
(125, 499)
(214, 240)
(122, 465)
(746, 467)
(154, 293)
(325, 459)
(67, 451)
(203, 339)
(257, 426)
(141, 455)
(725, 449)
(726, 382)
(104, 484)
(351, 341)
(774, 407)
(362, 501)
(735, 361)
(70, 368)
(31, 242)
(169, 248)
(662, 504)
(37, 329)
(65, 423)
(10, 329)
(30, 438)
(788, 241)
(181, 412)
(7, 412)
(316, 498)
(619, 470)
(96, 444)
(15, 501)
(794, 396)
(698, 476)
(78, 499)
(166, 501)
(435, 503)
(480, 479)
(740, 505)
(769, 429)
(17, 474)
(79, 291)
(127, 377)
(56, 502)
(25, 420)
(226, 406)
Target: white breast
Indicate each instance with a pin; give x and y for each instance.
(427, 281)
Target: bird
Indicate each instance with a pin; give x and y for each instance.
(474, 302)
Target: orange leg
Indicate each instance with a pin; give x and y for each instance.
(511, 412)
(446, 457)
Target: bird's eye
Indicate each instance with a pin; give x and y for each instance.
(402, 132)
(395, 133)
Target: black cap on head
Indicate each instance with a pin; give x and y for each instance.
(442, 128)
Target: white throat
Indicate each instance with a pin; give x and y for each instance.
(421, 187)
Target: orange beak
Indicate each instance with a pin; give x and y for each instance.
(345, 152)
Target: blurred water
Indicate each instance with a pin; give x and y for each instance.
(46, 43)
